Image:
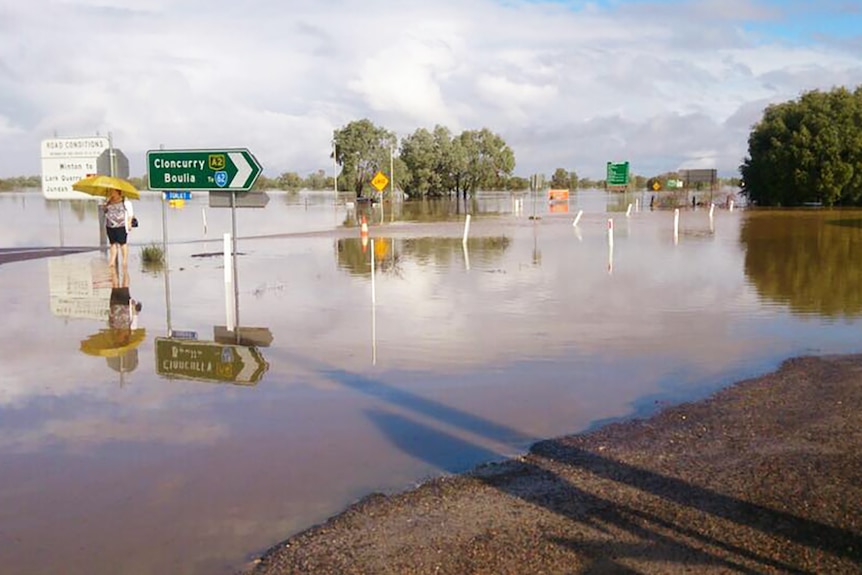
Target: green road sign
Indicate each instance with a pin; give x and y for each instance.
(209, 361)
(618, 174)
(230, 170)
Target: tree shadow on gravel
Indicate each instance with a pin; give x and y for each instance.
(594, 513)
(813, 534)
(663, 539)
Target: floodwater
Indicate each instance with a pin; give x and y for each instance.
(189, 456)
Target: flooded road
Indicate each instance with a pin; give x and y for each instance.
(152, 460)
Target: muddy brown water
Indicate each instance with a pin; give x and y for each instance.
(533, 329)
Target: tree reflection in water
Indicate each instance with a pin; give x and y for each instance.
(808, 260)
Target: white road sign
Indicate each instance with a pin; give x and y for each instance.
(67, 160)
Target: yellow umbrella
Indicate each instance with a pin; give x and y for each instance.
(113, 342)
(102, 186)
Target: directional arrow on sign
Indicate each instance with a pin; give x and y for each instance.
(243, 170)
(251, 369)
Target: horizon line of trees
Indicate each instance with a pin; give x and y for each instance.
(320, 181)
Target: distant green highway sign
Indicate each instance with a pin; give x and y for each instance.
(228, 169)
(618, 174)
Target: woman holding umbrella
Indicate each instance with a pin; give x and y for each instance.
(120, 216)
(118, 222)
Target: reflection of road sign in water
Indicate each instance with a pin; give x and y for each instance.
(379, 181)
(209, 361)
(235, 170)
(618, 174)
(253, 336)
(227, 354)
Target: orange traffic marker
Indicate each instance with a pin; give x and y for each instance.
(363, 234)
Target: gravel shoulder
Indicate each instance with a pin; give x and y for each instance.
(763, 477)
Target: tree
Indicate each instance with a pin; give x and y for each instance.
(289, 181)
(264, 183)
(485, 159)
(422, 160)
(318, 181)
(22, 182)
(560, 179)
(361, 150)
(438, 163)
(517, 184)
(563, 180)
(807, 150)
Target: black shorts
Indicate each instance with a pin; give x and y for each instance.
(120, 296)
(117, 235)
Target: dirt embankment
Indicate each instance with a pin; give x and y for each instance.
(764, 477)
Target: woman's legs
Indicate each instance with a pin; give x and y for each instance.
(118, 238)
(112, 259)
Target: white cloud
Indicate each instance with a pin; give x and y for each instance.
(279, 77)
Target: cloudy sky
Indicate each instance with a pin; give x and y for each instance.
(665, 84)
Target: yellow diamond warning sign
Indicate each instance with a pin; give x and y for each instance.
(379, 181)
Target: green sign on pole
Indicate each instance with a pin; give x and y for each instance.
(229, 169)
(209, 361)
(618, 174)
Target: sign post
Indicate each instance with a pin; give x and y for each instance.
(229, 170)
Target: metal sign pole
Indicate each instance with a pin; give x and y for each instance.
(60, 216)
(167, 270)
(235, 276)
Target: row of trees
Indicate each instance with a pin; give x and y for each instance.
(319, 181)
(20, 182)
(561, 179)
(427, 164)
(807, 151)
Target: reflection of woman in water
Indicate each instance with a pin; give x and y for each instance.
(123, 313)
(122, 321)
